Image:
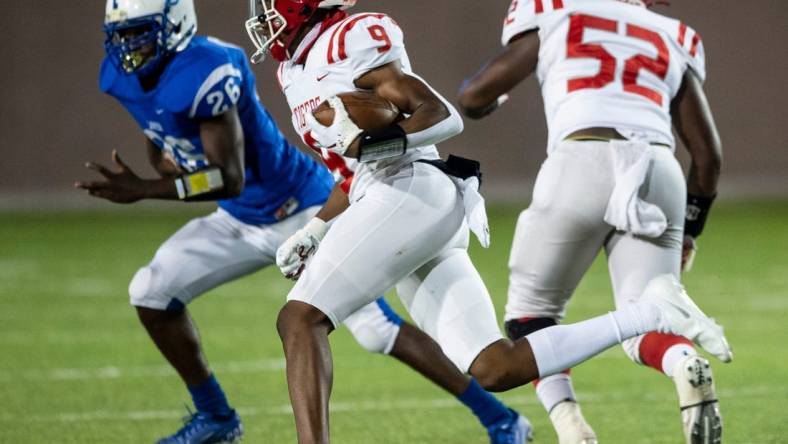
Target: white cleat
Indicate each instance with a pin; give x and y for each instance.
(680, 316)
(570, 425)
(700, 411)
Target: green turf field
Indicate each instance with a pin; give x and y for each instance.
(75, 366)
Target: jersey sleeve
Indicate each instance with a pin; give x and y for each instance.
(520, 18)
(208, 84)
(691, 47)
(366, 42)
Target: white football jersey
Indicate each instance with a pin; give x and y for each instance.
(606, 63)
(340, 54)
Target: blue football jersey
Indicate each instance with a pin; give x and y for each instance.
(203, 81)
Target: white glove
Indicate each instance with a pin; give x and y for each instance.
(340, 135)
(688, 250)
(293, 255)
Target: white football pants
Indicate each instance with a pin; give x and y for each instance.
(212, 250)
(409, 231)
(562, 231)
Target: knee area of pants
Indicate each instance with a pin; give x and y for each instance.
(376, 337)
(140, 285)
(520, 328)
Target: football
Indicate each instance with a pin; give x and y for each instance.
(367, 110)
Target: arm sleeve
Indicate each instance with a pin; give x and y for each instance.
(208, 85)
(366, 42)
(445, 129)
(520, 18)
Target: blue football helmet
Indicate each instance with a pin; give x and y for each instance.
(141, 33)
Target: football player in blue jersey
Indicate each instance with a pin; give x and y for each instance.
(209, 138)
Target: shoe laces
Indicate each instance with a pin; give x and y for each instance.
(191, 425)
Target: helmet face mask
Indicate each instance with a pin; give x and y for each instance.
(135, 45)
(265, 28)
(140, 34)
(274, 24)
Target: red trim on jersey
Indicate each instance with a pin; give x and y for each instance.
(329, 21)
(279, 75)
(333, 161)
(347, 27)
(539, 5)
(331, 43)
(682, 33)
(695, 43)
(653, 347)
(346, 184)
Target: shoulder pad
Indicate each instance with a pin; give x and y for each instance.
(523, 16)
(366, 41)
(692, 47)
(203, 82)
(107, 75)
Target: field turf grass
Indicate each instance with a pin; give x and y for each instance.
(76, 367)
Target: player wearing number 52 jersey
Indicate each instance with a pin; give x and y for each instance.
(616, 78)
(406, 224)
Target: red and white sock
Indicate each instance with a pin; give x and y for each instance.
(662, 352)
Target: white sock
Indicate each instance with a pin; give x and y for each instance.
(561, 347)
(555, 389)
(675, 354)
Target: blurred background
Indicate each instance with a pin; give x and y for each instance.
(53, 118)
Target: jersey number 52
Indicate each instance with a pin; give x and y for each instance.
(576, 49)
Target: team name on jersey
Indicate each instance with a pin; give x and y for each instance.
(299, 112)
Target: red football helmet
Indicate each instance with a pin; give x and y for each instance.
(275, 23)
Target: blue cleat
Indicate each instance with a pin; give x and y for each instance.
(203, 428)
(514, 429)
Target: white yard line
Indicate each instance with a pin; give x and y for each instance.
(446, 402)
(113, 372)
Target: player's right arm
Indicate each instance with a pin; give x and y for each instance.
(160, 163)
(223, 144)
(479, 95)
(336, 204)
(694, 124)
(486, 90)
(293, 255)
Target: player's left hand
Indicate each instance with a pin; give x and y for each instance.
(120, 186)
(293, 255)
(340, 135)
(688, 250)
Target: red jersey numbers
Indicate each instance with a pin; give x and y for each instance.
(658, 66)
(576, 49)
(509, 18)
(539, 5)
(379, 33)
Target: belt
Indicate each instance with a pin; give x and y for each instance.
(605, 139)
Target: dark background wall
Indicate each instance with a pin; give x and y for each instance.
(53, 118)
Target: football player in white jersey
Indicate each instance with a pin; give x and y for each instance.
(406, 221)
(615, 77)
